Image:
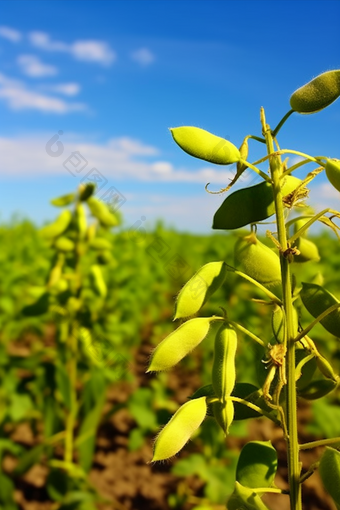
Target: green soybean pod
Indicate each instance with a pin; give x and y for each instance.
(56, 228)
(318, 93)
(224, 375)
(179, 429)
(98, 281)
(179, 343)
(257, 260)
(81, 221)
(99, 243)
(326, 368)
(250, 205)
(199, 289)
(64, 244)
(329, 470)
(63, 200)
(316, 300)
(308, 251)
(102, 212)
(204, 145)
(333, 172)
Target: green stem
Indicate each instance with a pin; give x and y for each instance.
(72, 412)
(316, 321)
(309, 223)
(291, 400)
(321, 442)
(257, 170)
(280, 124)
(272, 296)
(247, 332)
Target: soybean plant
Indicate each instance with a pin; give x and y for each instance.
(292, 355)
(73, 296)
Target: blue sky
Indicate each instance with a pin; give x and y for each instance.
(113, 76)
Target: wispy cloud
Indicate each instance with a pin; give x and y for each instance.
(32, 66)
(143, 56)
(118, 159)
(18, 97)
(85, 50)
(10, 34)
(67, 89)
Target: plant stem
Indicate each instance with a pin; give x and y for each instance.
(72, 413)
(291, 407)
(321, 442)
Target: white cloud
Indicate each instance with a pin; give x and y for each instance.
(32, 66)
(10, 34)
(86, 50)
(118, 159)
(143, 56)
(68, 89)
(18, 97)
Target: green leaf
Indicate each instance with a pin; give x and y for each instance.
(257, 465)
(20, 405)
(316, 300)
(329, 470)
(57, 484)
(63, 384)
(6, 493)
(28, 459)
(39, 307)
(87, 434)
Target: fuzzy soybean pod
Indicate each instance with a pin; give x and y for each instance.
(63, 200)
(333, 172)
(316, 300)
(244, 498)
(224, 375)
(98, 281)
(64, 244)
(204, 145)
(330, 473)
(250, 205)
(318, 93)
(199, 289)
(179, 429)
(56, 228)
(81, 221)
(257, 260)
(102, 213)
(179, 343)
(308, 251)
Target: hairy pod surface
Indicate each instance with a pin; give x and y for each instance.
(257, 464)
(199, 289)
(224, 375)
(243, 498)
(316, 300)
(329, 470)
(257, 260)
(179, 429)
(56, 228)
(317, 94)
(179, 343)
(326, 368)
(333, 172)
(204, 145)
(250, 205)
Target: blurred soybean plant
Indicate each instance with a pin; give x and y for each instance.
(83, 355)
(296, 367)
